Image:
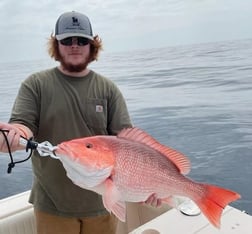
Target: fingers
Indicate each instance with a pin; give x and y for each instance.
(13, 137)
(153, 200)
(5, 126)
(2, 142)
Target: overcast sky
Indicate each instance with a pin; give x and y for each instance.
(123, 24)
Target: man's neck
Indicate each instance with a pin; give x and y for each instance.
(75, 74)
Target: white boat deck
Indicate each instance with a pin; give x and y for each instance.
(233, 221)
(16, 217)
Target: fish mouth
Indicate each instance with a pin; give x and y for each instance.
(63, 150)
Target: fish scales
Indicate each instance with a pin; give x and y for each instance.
(143, 170)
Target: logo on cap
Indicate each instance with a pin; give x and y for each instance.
(75, 21)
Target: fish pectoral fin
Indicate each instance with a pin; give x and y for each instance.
(118, 209)
(112, 202)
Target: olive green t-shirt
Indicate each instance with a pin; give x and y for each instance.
(57, 108)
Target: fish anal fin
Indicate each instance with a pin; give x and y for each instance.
(111, 201)
(138, 135)
(171, 201)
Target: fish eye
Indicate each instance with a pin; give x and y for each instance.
(89, 145)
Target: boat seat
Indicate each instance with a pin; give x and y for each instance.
(16, 215)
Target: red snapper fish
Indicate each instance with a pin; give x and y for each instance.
(131, 166)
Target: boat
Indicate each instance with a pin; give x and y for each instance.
(233, 221)
(16, 217)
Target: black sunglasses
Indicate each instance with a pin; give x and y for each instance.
(81, 41)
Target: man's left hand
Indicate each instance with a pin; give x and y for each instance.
(153, 201)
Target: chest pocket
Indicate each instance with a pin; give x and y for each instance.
(96, 113)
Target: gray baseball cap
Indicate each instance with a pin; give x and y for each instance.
(73, 24)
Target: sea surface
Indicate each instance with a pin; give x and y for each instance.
(194, 98)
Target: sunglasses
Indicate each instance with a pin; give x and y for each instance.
(81, 41)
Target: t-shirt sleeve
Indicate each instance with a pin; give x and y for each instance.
(118, 115)
(26, 106)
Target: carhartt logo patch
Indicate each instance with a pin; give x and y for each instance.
(99, 108)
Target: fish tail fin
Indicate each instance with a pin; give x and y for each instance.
(213, 202)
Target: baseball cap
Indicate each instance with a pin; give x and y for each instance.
(72, 24)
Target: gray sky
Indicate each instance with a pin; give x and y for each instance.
(123, 24)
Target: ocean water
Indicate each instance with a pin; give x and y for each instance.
(194, 98)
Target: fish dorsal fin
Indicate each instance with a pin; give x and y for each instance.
(138, 135)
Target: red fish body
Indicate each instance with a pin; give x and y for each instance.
(131, 166)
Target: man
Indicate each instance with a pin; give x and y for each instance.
(63, 103)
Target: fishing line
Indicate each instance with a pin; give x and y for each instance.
(12, 162)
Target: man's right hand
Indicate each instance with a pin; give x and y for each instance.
(13, 133)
